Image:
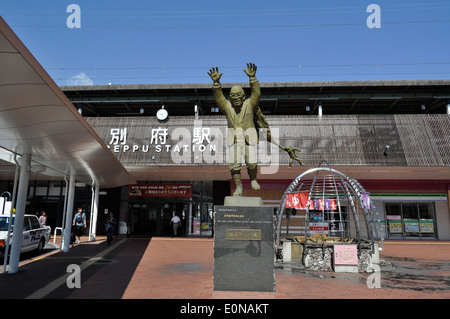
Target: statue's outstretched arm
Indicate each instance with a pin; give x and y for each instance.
(262, 123)
(221, 101)
(291, 151)
(254, 84)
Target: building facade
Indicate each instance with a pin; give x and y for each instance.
(394, 137)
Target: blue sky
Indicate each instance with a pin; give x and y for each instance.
(148, 42)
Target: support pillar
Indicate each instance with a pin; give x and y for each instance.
(22, 191)
(94, 213)
(69, 214)
(448, 197)
(122, 221)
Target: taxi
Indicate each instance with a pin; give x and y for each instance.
(35, 235)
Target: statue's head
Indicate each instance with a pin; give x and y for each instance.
(237, 96)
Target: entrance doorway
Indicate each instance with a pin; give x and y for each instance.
(142, 219)
(168, 210)
(152, 218)
(53, 210)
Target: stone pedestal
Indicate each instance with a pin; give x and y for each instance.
(292, 251)
(244, 248)
(243, 201)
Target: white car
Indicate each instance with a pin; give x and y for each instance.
(35, 236)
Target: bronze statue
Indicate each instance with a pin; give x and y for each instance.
(244, 117)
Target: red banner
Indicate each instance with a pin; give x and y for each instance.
(160, 190)
(297, 200)
(300, 201)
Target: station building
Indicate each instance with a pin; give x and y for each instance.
(392, 136)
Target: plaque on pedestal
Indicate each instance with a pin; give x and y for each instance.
(244, 249)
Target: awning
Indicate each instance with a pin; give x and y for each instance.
(37, 118)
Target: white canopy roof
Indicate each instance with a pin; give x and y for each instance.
(37, 118)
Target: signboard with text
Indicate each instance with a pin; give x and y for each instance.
(395, 224)
(319, 228)
(345, 255)
(160, 190)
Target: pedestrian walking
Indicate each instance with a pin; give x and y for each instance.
(176, 221)
(79, 222)
(110, 227)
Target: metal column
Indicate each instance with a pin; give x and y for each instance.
(22, 191)
(69, 214)
(94, 213)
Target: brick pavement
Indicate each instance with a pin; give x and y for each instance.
(174, 268)
(164, 273)
(182, 268)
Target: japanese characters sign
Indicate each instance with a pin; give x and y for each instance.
(159, 140)
(160, 190)
(180, 142)
(345, 255)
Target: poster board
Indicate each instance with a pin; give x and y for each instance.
(346, 255)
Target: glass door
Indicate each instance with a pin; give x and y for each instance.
(411, 220)
(394, 220)
(143, 220)
(427, 220)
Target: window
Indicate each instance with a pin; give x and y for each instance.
(34, 223)
(4, 223)
(26, 224)
(411, 220)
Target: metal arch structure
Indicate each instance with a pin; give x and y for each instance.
(333, 184)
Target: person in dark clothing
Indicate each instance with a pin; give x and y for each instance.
(110, 226)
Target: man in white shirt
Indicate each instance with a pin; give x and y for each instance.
(176, 223)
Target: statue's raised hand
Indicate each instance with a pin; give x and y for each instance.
(214, 74)
(251, 69)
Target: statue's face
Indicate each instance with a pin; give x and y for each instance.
(237, 96)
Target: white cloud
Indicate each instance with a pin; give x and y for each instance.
(80, 79)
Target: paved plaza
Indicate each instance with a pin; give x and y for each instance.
(182, 268)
